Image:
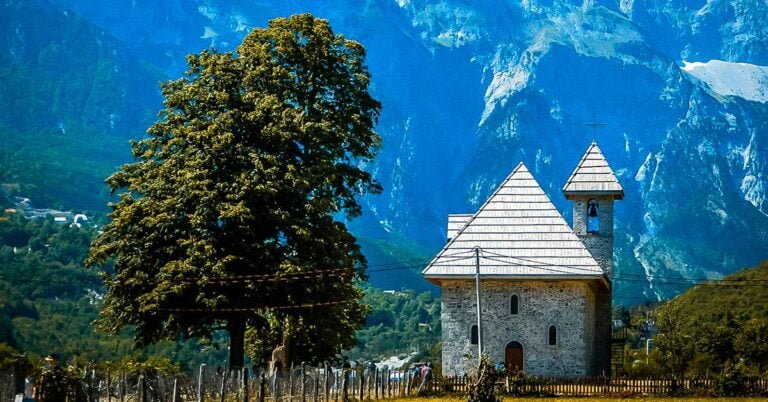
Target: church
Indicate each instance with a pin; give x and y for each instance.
(544, 286)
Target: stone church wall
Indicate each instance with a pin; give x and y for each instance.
(564, 304)
(600, 245)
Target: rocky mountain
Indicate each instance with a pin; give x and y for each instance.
(71, 95)
(471, 88)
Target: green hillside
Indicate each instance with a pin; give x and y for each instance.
(718, 325)
(48, 301)
(71, 97)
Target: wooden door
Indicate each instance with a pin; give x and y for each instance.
(513, 357)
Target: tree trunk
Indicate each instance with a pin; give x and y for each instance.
(236, 329)
(287, 339)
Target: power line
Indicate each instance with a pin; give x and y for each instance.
(314, 274)
(245, 309)
(650, 277)
(81, 281)
(528, 266)
(539, 264)
(463, 255)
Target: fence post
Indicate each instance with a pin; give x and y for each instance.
(246, 394)
(408, 384)
(290, 383)
(387, 381)
(223, 388)
(121, 387)
(361, 382)
(344, 382)
(262, 386)
(397, 382)
(92, 386)
(303, 383)
(109, 386)
(142, 397)
(276, 386)
(200, 386)
(175, 392)
(337, 385)
(317, 385)
(325, 384)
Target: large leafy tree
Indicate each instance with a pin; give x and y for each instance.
(228, 218)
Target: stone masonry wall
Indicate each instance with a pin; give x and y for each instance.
(602, 325)
(541, 304)
(600, 245)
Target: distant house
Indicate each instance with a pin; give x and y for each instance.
(59, 220)
(546, 287)
(79, 220)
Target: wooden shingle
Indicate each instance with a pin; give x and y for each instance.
(593, 175)
(520, 234)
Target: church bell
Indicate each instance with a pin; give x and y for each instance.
(592, 211)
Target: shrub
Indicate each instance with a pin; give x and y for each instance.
(482, 387)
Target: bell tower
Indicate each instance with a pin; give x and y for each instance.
(593, 187)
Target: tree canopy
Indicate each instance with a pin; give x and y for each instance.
(229, 216)
(716, 325)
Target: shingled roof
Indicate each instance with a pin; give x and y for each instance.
(520, 234)
(593, 175)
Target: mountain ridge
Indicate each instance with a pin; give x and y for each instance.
(471, 89)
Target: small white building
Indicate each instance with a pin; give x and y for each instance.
(546, 287)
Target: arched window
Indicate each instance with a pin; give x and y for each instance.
(473, 337)
(552, 335)
(514, 304)
(593, 217)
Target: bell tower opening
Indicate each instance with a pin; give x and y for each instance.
(593, 217)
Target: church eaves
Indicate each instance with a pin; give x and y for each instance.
(593, 175)
(520, 234)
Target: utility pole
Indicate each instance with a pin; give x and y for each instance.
(479, 308)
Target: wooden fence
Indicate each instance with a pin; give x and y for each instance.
(604, 386)
(331, 384)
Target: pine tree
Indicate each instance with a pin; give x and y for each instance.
(230, 215)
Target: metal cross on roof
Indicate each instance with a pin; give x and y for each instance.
(594, 124)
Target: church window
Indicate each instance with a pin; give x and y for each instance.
(593, 218)
(473, 336)
(514, 304)
(552, 335)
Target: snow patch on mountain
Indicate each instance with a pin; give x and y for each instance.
(743, 80)
(448, 25)
(504, 85)
(208, 12)
(594, 32)
(626, 7)
(597, 32)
